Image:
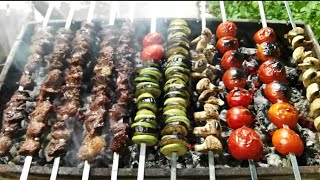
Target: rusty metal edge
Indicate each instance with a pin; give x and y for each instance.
(9, 170)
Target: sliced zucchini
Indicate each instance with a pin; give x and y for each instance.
(174, 106)
(181, 94)
(180, 148)
(178, 22)
(182, 119)
(149, 87)
(144, 124)
(149, 140)
(177, 48)
(173, 112)
(144, 96)
(184, 102)
(140, 130)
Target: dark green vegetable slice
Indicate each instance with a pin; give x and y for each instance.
(184, 102)
(175, 127)
(182, 119)
(144, 124)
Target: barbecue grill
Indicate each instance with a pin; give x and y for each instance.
(16, 60)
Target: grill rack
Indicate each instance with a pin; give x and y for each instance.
(12, 71)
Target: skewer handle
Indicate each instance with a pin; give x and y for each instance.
(262, 14)
(115, 164)
(26, 168)
(293, 24)
(47, 16)
(203, 14)
(113, 12)
(131, 11)
(212, 171)
(86, 171)
(223, 11)
(91, 11)
(174, 166)
(70, 16)
(142, 159)
(55, 168)
(253, 170)
(295, 166)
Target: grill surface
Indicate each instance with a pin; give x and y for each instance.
(17, 59)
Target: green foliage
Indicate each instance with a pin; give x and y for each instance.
(305, 11)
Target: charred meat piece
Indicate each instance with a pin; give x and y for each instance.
(56, 147)
(5, 144)
(30, 147)
(92, 145)
(119, 140)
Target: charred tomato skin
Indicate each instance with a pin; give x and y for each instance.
(287, 141)
(232, 58)
(244, 143)
(151, 39)
(282, 113)
(272, 70)
(227, 43)
(234, 77)
(239, 97)
(155, 52)
(268, 51)
(277, 92)
(266, 34)
(238, 117)
(227, 28)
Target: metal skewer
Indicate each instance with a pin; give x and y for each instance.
(294, 162)
(293, 24)
(293, 158)
(223, 11)
(28, 160)
(142, 155)
(212, 172)
(56, 162)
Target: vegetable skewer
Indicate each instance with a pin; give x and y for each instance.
(293, 159)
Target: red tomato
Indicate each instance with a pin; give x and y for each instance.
(265, 35)
(151, 39)
(268, 51)
(272, 70)
(239, 116)
(244, 143)
(239, 97)
(234, 77)
(232, 58)
(227, 28)
(227, 43)
(287, 141)
(276, 91)
(152, 52)
(283, 113)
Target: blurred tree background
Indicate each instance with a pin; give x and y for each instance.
(306, 11)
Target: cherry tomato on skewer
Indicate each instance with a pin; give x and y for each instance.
(283, 113)
(266, 34)
(268, 51)
(227, 28)
(272, 70)
(239, 97)
(155, 52)
(244, 143)
(276, 91)
(238, 116)
(227, 43)
(234, 77)
(151, 39)
(287, 141)
(232, 58)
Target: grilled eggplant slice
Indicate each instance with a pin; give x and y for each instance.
(175, 127)
(173, 139)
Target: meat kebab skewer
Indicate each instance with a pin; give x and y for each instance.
(15, 110)
(252, 166)
(292, 156)
(115, 161)
(28, 160)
